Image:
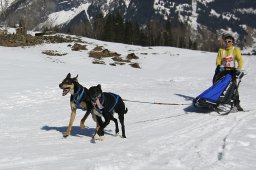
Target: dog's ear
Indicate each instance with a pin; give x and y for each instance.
(99, 86)
(75, 78)
(69, 75)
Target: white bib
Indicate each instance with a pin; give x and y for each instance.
(228, 61)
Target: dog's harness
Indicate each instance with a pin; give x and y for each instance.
(117, 97)
(78, 96)
(116, 101)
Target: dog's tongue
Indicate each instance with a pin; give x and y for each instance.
(64, 92)
(98, 104)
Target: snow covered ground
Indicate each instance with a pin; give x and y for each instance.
(34, 114)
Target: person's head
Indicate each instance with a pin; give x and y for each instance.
(229, 40)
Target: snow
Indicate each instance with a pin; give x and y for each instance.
(214, 13)
(11, 31)
(34, 114)
(179, 9)
(160, 8)
(228, 16)
(194, 16)
(3, 4)
(205, 2)
(62, 17)
(127, 3)
(247, 10)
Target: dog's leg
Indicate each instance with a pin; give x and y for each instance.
(97, 118)
(82, 125)
(121, 119)
(98, 134)
(103, 125)
(100, 124)
(116, 123)
(71, 121)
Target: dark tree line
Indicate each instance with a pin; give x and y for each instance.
(114, 28)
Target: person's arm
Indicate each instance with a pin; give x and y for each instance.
(219, 58)
(239, 58)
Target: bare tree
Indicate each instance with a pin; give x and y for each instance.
(4, 5)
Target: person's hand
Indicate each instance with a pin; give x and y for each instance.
(221, 68)
(238, 72)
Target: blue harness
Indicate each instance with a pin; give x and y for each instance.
(117, 97)
(78, 96)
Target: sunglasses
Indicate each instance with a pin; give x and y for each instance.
(228, 41)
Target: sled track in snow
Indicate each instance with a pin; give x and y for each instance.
(223, 148)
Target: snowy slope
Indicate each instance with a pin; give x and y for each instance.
(34, 114)
(5, 4)
(62, 17)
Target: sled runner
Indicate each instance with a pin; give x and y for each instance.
(221, 95)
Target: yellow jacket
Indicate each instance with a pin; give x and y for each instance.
(228, 51)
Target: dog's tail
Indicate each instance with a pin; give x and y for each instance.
(126, 110)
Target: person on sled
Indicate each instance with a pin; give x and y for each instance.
(227, 58)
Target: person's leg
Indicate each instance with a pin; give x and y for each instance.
(215, 77)
(237, 102)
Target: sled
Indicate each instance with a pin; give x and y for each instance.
(221, 96)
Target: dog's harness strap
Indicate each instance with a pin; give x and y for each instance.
(78, 97)
(102, 102)
(117, 99)
(112, 108)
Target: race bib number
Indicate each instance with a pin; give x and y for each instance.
(228, 61)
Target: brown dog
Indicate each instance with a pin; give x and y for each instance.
(79, 99)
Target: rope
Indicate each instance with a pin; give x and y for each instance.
(158, 103)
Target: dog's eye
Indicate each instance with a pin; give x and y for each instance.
(67, 82)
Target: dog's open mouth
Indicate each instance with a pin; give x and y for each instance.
(65, 91)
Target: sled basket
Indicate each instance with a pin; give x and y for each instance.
(221, 95)
(212, 94)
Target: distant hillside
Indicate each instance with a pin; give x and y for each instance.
(182, 23)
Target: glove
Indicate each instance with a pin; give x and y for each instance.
(222, 68)
(238, 72)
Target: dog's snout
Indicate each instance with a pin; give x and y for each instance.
(60, 85)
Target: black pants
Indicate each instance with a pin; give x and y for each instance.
(219, 74)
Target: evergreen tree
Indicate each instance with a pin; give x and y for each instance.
(128, 33)
(98, 26)
(108, 33)
(119, 29)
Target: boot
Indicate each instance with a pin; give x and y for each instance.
(239, 108)
(237, 104)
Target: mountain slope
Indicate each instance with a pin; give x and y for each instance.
(214, 16)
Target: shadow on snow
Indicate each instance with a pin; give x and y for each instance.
(191, 108)
(76, 130)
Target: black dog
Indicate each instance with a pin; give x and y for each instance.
(111, 103)
(79, 99)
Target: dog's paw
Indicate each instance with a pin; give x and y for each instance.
(82, 126)
(97, 137)
(66, 135)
